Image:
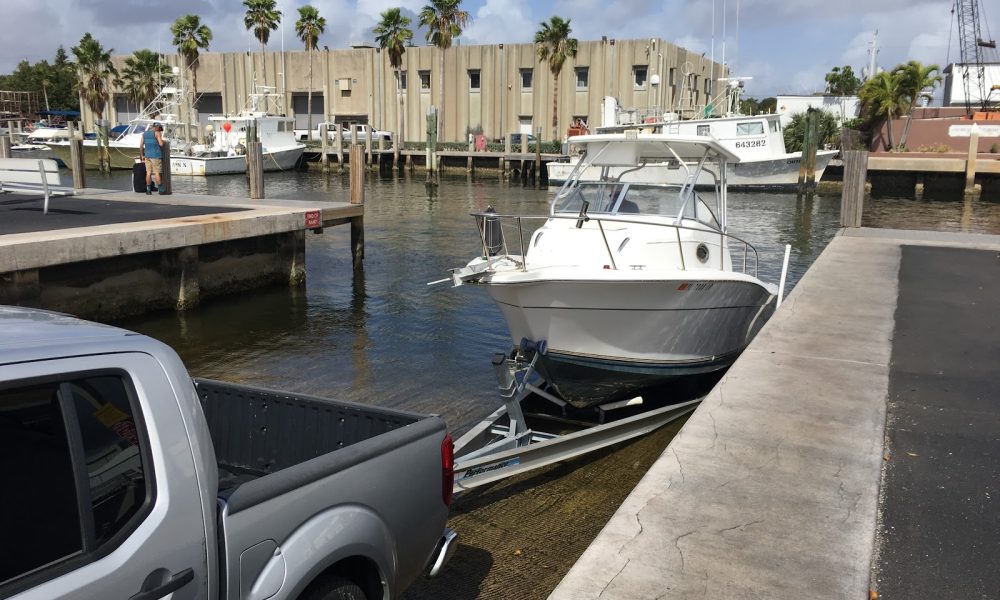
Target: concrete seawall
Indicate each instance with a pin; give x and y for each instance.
(771, 489)
(106, 255)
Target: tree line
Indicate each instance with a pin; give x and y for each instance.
(65, 81)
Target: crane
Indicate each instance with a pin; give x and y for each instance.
(972, 46)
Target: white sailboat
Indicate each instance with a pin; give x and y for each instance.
(627, 285)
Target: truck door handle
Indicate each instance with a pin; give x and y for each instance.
(173, 584)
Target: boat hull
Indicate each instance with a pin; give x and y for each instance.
(780, 172)
(124, 158)
(281, 160)
(611, 339)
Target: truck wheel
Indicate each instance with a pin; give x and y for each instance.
(337, 588)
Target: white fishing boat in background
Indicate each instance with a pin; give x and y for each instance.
(225, 152)
(758, 141)
(627, 285)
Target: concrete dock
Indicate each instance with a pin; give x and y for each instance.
(850, 449)
(106, 254)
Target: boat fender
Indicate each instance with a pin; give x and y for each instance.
(492, 232)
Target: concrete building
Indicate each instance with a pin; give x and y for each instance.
(841, 107)
(491, 89)
(954, 84)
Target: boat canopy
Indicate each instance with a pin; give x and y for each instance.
(614, 150)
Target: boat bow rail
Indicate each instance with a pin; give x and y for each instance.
(497, 254)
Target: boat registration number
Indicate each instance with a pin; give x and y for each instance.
(751, 144)
(697, 287)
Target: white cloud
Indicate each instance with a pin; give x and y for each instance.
(497, 21)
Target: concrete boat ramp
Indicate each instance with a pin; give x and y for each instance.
(850, 450)
(105, 254)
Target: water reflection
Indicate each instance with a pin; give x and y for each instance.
(384, 337)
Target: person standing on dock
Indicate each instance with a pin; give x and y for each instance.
(151, 152)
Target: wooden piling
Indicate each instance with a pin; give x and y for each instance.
(432, 126)
(76, 158)
(5, 147)
(807, 161)
(166, 182)
(853, 195)
(970, 163)
(368, 144)
(468, 160)
(396, 147)
(255, 169)
(536, 175)
(338, 146)
(357, 179)
(324, 149)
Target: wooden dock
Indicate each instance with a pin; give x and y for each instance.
(109, 254)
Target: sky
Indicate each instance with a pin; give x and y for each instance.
(786, 46)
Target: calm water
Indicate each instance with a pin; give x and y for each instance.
(387, 338)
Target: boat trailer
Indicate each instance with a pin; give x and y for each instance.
(503, 444)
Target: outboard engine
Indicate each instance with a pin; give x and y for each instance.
(492, 232)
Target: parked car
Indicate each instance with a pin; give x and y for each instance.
(124, 478)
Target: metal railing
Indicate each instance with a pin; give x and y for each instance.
(491, 246)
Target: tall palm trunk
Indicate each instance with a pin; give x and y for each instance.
(263, 65)
(441, 96)
(892, 145)
(399, 121)
(309, 98)
(555, 106)
(906, 129)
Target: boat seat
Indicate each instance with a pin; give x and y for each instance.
(27, 175)
(628, 207)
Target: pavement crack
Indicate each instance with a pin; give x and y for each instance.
(677, 544)
(627, 560)
(741, 525)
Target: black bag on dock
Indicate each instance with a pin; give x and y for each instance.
(139, 177)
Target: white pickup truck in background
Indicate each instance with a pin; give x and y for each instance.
(125, 479)
(303, 135)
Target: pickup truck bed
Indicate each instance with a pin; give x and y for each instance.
(257, 432)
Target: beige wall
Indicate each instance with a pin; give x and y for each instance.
(496, 107)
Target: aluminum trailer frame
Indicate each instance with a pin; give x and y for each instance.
(494, 450)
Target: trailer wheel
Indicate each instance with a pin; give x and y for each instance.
(337, 588)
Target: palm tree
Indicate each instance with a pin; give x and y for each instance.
(141, 76)
(262, 17)
(917, 82)
(190, 36)
(309, 27)
(444, 21)
(555, 46)
(392, 34)
(882, 98)
(94, 69)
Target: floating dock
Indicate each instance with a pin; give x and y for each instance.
(850, 449)
(105, 254)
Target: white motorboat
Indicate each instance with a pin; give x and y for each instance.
(626, 285)
(225, 153)
(756, 139)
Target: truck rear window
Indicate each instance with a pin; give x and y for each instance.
(74, 476)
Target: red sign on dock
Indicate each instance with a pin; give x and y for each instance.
(314, 219)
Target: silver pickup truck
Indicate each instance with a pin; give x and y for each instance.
(123, 479)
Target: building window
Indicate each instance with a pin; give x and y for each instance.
(425, 80)
(639, 77)
(708, 85)
(527, 75)
(704, 130)
(474, 80)
(754, 128)
(582, 78)
(402, 80)
(673, 76)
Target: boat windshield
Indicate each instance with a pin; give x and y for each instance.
(625, 199)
